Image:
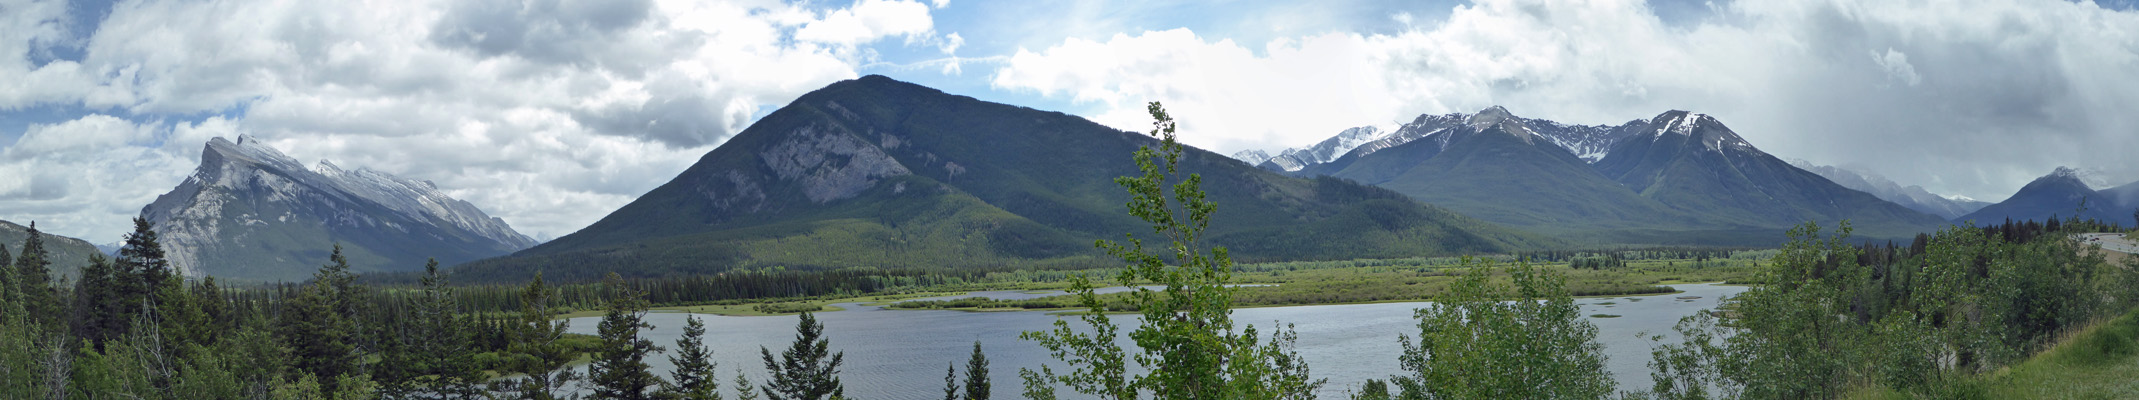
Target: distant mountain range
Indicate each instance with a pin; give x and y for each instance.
(1677, 178)
(69, 255)
(877, 172)
(2061, 194)
(1914, 197)
(251, 213)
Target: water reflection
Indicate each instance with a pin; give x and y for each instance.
(901, 354)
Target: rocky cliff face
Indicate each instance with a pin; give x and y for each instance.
(250, 212)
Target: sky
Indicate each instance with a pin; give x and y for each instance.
(552, 113)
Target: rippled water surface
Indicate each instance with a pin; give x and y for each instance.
(901, 354)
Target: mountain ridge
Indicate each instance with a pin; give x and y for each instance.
(250, 212)
(877, 172)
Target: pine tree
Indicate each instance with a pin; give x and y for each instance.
(977, 386)
(950, 382)
(743, 388)
(317, 336)
(695, 377)
(808, 370)
(619, 370)
(34, 283)
(537, 346)
(96, 312)
(444, 364)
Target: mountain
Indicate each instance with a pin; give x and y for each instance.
(251, 213)
(1324, 151)
(1587, 142)
(1252, 156)
(1694, 163)
(2059, 195)
(69, 255)
(1678, 178)
(877, 172)
(1498, 167)
(1912, 196)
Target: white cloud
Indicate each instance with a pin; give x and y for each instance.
(545, 113)
(1225, 95)
(72, 176)
(1989, 94)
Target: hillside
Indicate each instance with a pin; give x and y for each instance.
(2061, 194)
(877, 172)
(69, 255)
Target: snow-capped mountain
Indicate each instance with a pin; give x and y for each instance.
(1252, 156)
(1588, 142)
(1912, 196)
(251, 212)
(1324, 151)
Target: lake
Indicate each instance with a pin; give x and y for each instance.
(901, 354)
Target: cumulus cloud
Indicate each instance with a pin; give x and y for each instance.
(1972, 99)
(1226, 95)
(547, 113)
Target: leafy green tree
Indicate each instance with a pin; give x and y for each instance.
(1481, 340)
(977, 386)
(695, 377)
(619, 370)
(807, 370)
(1190, 347)
(537, 348)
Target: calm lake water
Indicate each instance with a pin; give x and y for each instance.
(901, 354)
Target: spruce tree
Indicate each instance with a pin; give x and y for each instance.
(619, 370)
(950, 382)
(537, 346)
(977, 386)
(743, 389)
(34, 283)
(443, 363)
(317, 336)
(808, 370)
(8, 295)
(97, 318)
(695, 377)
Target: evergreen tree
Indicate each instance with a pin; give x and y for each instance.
(317, 336)
(8, 295)
(33, 282)
(808, 370)
(977, 386)
(443, 363)
(743, 389)
(619, 370)
(96, 312)
(950, 382)
(695, 377)
(538, 348)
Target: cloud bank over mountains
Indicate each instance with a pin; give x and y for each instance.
(547, 113)
(1973, 98)
(552, 113)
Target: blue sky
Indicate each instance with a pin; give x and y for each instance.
(551, 113)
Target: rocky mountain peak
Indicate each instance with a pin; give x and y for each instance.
(249, 211)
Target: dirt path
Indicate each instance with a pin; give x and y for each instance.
(2119, 247)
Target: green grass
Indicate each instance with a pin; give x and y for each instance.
(2100, 362)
